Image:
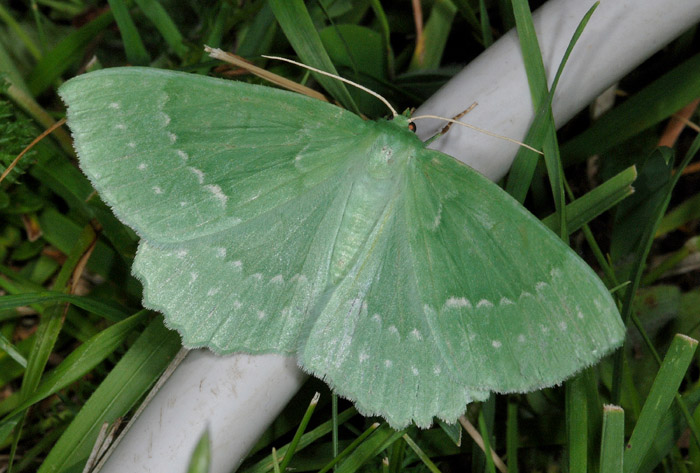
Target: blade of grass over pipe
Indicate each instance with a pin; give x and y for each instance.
(542, 129)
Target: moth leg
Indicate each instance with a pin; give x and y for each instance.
(446, 128)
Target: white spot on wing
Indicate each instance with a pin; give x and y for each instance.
(193, 277)
(157, 190)
(363, 357)
(541, 285)
(505, 301)
(181, 253)
(258, 276)
(279, 279)
(213, 291)
(120, 126)
(166, 118)
(218, 193)
(414, 370)
(438, 218)
(198, 173)
(521, 338)
(484, 303)
(496, 344)
(457, 302)
(416, 334)
(555, 273)
(388, 363)
(237, 304)
(377, 318)
(142, 166)
(183, 155)
(131, 144)
(562, 326)
(437, 370)
(221, 252)
(525, 294)
(261, 314)
(172, 137)
(237, 264)
(393, 329)
(115, 105)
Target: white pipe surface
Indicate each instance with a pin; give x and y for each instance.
(620, 35)
(236, 397)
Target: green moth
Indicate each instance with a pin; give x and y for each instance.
(271, 222)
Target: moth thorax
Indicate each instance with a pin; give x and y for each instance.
(364, 210)
(386, 158)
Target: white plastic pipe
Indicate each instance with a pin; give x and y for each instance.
(620, 35)
(237, 397)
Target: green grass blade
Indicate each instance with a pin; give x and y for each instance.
(594, 203)
(577, 425)
(70, 49)
(486, 438)
(125, 385)
(160, 18)
(612, 445)
(671, 428)
(485, 23)
(512, 440)
(642, 251)
(350, 447)
(52, 319)
(135, 51)
(201, 456)
(428, 54)
(307, 439)
(423, 457)
(259, 35)
(543, 127)
(94, 306)
(681, 215)
(7, 346)
(662, 393)
(296, 23)
(289, 453)
(81, 361)
(376, 443)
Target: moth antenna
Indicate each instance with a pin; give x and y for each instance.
(480, 130)
(342, 79)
